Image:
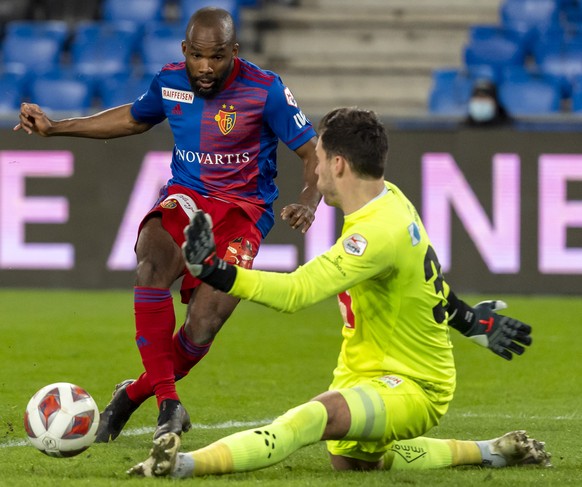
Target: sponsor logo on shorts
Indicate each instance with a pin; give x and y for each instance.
(392, 381)
(240, 252)
(177, 95)
(408, 453)
(355, 244)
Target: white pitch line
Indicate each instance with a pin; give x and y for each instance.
(568, 417)
(250, 424)
(149, 430)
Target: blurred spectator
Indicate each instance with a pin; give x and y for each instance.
(67, 10)
(484, 107)
(13, 10)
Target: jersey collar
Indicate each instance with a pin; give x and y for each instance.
(233, 74)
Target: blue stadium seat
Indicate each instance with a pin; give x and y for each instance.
(576, 105)
(188, 7)
(55, 29)
(449, 94)
(11, 92)
(119, 90)
(35, 47)
(564, 67)
(535, 96)
(138, 11)
(496, 51)
(62, 93)
(101, 49)
(530, 17)
(39, 56)
(161, 44)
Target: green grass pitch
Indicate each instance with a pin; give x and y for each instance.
(263, 363)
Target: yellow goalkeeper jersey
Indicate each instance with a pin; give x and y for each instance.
(390, 291)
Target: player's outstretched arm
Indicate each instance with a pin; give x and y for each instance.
(503, 335)
(301, 215)
(108, 124)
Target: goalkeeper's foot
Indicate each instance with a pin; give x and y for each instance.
(162, 459)
(116, 414)
(514, 449)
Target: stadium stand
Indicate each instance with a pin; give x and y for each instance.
(386, 58)
(138, 11)
(11, 91)
(530, 18)
(59, 92)
(450, 92)
(100, 48)
(48, 39)
(122, 89)
(535, 51)
(534, 96)
(187, 7)
(14, 10)
(161, 44)
(66, 10)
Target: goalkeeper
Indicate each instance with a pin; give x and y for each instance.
(395, 375)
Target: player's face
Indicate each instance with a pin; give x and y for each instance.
(325, 181)
(209, 60)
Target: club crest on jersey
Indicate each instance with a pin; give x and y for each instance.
(355, 244)
(225, 120)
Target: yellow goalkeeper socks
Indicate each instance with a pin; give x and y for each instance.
(428, 453)
(260, 447)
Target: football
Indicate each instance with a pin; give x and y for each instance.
(61, 420)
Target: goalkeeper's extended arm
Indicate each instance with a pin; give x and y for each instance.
(199, 252)
(503, 335)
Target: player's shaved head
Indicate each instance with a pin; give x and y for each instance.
(212, 18)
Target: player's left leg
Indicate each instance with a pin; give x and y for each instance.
(512, 449)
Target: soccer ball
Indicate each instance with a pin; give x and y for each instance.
(61, 420)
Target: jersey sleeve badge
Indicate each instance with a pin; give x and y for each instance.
(355, 244)
(290, 98)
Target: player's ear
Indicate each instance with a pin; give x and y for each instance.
(339, 165)
(235, 49)
(184, 47)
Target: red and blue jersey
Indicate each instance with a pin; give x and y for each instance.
(226, 147)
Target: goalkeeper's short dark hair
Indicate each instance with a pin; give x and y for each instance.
(359, 136)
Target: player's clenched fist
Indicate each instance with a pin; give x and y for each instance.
(33, 120)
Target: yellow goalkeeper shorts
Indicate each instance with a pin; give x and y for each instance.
(383, 410)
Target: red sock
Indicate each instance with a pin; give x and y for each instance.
(139, 390)
(187, 353)
(154, 324)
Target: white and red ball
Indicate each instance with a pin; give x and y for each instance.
(61, 420)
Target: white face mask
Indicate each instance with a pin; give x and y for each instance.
(482, 110)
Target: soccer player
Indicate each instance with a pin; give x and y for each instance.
(227, 116)
(395, 375)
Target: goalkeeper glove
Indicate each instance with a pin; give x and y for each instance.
(503, 335)
(199, 252)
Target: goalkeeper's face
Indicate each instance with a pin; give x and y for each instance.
(209, 59)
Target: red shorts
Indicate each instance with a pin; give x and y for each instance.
(237, 238)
